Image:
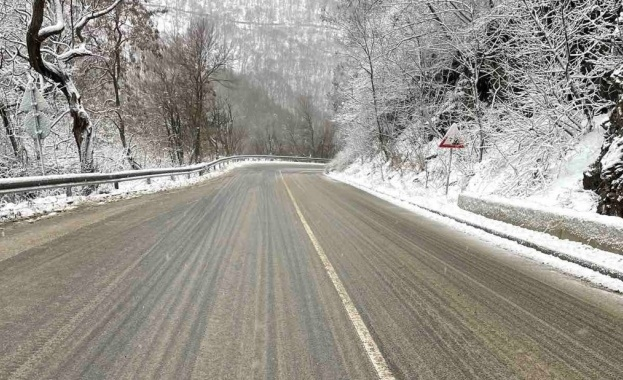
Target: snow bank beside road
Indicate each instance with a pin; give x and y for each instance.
(599, 231)
(610, 262)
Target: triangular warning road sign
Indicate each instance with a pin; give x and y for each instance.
(452, 139)
(28, 103)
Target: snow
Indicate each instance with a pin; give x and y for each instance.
(566, 190)
(50, 205)
(562, 185)
(417, 203)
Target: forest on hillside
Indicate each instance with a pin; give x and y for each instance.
(283, 45)
(522, 80)
(117, 90)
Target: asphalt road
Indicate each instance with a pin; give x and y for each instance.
(275, 271)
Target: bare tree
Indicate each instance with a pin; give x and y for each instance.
(163, 89)
(181, 78)
(305, 109)
(202, 56)
(326, 146)
(226, 137)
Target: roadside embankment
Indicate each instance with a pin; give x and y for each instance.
(602, 232)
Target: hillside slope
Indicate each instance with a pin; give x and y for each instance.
(283, 45)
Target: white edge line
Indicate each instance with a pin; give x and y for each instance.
(374, 354)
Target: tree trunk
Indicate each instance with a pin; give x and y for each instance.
(127, 151)
(198, 118)
(177, 133)
(82, 128)
(175, 140)
(121, 126)
(197, 150)
(10, 132)
(606, 178)
(381, 135)
(477, 110)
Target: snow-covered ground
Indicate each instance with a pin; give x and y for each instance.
(563, 186)
(566, 190)
(50, 205)
(563, 190)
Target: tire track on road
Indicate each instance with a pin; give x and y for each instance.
(374, 354)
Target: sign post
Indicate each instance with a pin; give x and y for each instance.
(36, 123)
(452, 140)
(38, 139)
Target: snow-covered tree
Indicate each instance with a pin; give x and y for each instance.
(52, 49)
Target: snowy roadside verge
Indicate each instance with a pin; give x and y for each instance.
(602, 268)
(50, 205)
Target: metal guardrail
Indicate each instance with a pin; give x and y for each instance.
(28, 184)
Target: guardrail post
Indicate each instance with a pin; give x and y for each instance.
(188, 175)
(173, 178)
(116, 185)
(149, 181)
(68, 191)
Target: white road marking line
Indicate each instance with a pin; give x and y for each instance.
(374, 354)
